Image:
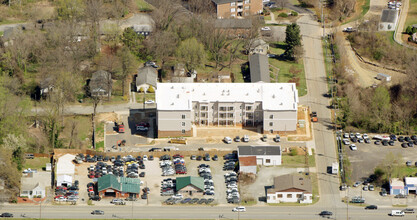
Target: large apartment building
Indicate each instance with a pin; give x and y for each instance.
(180, 106)
(237, 8)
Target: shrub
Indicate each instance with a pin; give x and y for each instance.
(409, 30)
(151, 89)
(377, 55)
(282, 14)
(141, 90)
(293, 152)
(294, 13)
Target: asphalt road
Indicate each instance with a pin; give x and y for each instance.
(323, 134)
(195, 212)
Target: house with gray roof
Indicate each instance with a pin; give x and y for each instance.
(259, 46)
(101, 83)
(388, 20)
(290, 188)
(259, 68)
(147, 76)
(265, 155)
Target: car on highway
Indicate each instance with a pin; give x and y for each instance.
(371, 207)
(6, 215)
(239, 209)
(326, 213)
(408, 210)
(97, 212)
(149, 102)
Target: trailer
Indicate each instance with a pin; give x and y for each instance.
(383, 77)
(335, 168)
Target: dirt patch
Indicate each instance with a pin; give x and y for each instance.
(107, 117)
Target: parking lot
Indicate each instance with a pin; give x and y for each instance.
(368, 156)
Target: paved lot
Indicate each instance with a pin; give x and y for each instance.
(369, 156)
(81, 175)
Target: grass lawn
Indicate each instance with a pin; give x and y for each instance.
(143, 6)
(237, 72)
(142, 96)
(1, 33)
(298, 161)
(365, 5)
(267, 17)
(284, 66)
(328, 59)
(412, 15)
(37, 163)
(10, 22)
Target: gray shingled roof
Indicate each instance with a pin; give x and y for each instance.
(259, 150)
(147, 75)
(389, 15)
(290, 181)
(99, 80)
(233, 23)
(259, 68)
(219, 2)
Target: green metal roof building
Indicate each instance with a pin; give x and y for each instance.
(110, 185)
(190, 182)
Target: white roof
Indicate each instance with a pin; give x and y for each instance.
(65, 165)
(179, 96)
(63, 179)
(396, 182)
(411, 181)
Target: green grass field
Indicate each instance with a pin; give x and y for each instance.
(37, 163)
(143, 6)
(298, 161)
(284, 66)
(412, 14)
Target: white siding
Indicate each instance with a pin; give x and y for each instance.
(269, 160)
(273, 197)
(248, 169)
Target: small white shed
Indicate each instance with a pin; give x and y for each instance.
(383, 77)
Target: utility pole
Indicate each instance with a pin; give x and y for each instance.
(347, 203)
(322, 17)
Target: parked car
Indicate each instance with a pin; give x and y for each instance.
(227, 140)
(378, 142)
(277, 138)
(404, 145)
(237, 139)
(408, 163)
(353, 147)
(371, 188)
(245, 138)
(215, 158)
(95, 198)
(264, 138)
(346, 141)
(383, 192)
(265, 28)
(199, 158)
(97, 212)
(193, 157)
(239, 209)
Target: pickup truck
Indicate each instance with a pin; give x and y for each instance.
(313, 116)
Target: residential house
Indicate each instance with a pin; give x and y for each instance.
(147, 76)
(290, 188)
(259, 68)
(259, 46)
(143, 29)
(265, 155)
(32, 190)
(248, 164)
(101, 83)
(190, 186)
(237, 8)
(45, 86)
(396, 186)
(118, 187)
(388, 20)
(182, 105)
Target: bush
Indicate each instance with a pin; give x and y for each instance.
(151, 89)
(294, 13)
(377, 55)
(141, 90)
(409, 30)
(293, 152)
(282, 14)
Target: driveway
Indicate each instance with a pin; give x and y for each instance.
(131, 136)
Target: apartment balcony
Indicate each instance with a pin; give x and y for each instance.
(240, 4)
(239, 10)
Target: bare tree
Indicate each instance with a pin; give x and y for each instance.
(201, 6)
(252, 34)
(93, 13)
(162, 51)
(128, 65)
(281, 3)
(166, 12)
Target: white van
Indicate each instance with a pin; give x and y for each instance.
(227, 140)
(239, 209)
(245, 138)
(397, 213)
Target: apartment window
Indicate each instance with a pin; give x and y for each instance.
(269, 197)
(240, 107)
(271, 123)
(196, 114)
(232, 3)
(222, 108)
(247, 1)
(230, 109)
(183, 116)
(203, 114)
(289, 195)
(233, 10)
(299, 196)
(279, 195)
(248, 108)
(257, 114)
(183, 131)
(268, 161)
(183, 124)
(222, 115)
(230, 115)
(274, 197)
(203, 108)
(271, 117)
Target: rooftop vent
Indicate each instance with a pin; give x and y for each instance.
(172, 87)
(281, 87)
(281, 103)
(273, 96)
(172, 103)
(204, 93)
(178, 96)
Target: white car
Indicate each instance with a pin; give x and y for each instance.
(346, 135)
(346, 141)
(145, 158)
(365, 136)
(265, 29)
(178, 196)
(239, 209)
(150, 102)
(227, 140)
(245, 138)
(353, 147)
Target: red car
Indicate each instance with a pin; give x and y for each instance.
(177, 155)
(90, 189)
(61, 187)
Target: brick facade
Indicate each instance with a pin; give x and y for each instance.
(239, 8)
